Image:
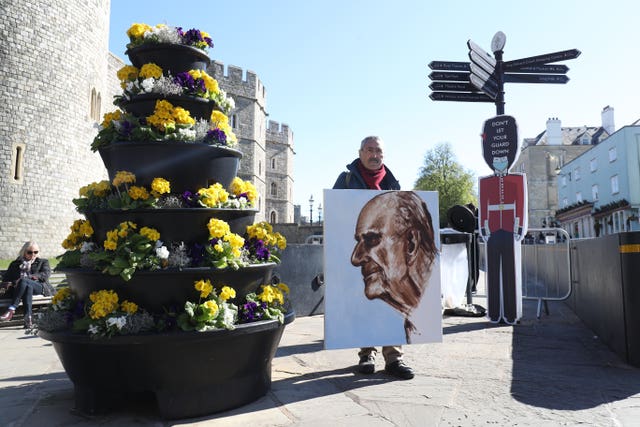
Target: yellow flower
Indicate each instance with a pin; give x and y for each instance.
(234, 240)
(227, 293)
(182, 116)
(61, 295)
(138, 193)
(281, 241)
(150, 233)
(160, 186)
(219, 119)
(204, 287)
(129, 307)
(150, 70)
(109, 117)
(213, 195)
(212, 307)
(102, 188)
(104, 303)
(284, 288)
(267, 295)
(218, 247)
(218, 228)
(136, 31)
(127, 73)
(110, 245)
(162, 117)
(123, 177)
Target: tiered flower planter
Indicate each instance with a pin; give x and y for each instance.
(189, 373)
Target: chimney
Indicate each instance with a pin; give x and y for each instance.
(554, 131)
(607, 119)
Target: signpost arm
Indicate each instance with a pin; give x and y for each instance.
(500, 78)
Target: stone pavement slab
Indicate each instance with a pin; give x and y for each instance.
(547, 372)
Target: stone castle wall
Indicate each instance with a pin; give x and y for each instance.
(53, 88)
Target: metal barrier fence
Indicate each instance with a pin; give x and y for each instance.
(546, 266)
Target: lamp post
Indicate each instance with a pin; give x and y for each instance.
(311, 210)
(319, 213)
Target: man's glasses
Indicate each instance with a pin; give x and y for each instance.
(32, 252)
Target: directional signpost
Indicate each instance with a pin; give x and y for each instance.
(483, 78)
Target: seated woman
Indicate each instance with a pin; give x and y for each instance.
(30, 276)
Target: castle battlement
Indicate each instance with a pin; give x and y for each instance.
(279, 133)
(245, 83)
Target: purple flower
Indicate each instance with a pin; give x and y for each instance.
(196, 253)
(190, 199)
(217, 136)
(185, 80)
(126, 127)
(258, 249)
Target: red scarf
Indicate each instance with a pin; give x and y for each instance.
(372, 178)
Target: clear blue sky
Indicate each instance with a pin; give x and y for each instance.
(337, 71)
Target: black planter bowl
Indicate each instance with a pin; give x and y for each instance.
(159, 290)
(187, 166)
(170, 57)
(174, 224)
(190, 373)
(144, 104)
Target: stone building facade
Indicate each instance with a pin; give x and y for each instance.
(542, 157)
(50, 110)
(53, 92)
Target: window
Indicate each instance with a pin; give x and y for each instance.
(576, 174)
(17, 163)
(565, 202)
(593, 165)
(563, 180)
(273, 217)
(259, 167)
(613, 154)
(234, 121)
(594, 192)
(614, 184)
(273, 163)
(578, 196)
(585, 140)
(94, 107)
(274, 189)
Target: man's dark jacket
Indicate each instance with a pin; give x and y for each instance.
(352, 180)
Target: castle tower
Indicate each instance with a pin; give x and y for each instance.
(267, 150)
(279, 173)
(53, 91)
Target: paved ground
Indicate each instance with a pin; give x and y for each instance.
(548, 372)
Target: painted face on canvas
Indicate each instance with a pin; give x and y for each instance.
(380, 253)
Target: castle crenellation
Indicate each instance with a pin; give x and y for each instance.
(250, 86)
(280, 133)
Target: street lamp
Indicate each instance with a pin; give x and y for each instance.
(319, 213)
(311, 210)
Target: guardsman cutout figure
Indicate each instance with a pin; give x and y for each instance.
(502, 219)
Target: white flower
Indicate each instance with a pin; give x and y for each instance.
(87, 247)
(94, 329)
(118, 322)
(187, 134)
(147, 84)
(162, 252)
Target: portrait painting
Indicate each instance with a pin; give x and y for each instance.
(381, 268)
